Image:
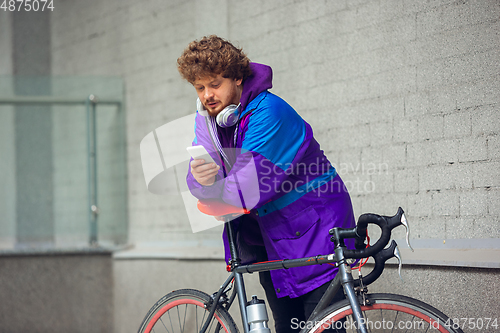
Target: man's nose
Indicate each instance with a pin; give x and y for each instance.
(208, 93)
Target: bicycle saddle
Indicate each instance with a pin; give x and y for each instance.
(216, 207)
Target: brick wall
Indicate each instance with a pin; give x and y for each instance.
(401, 94)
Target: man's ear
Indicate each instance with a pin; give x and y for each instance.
(238, 81)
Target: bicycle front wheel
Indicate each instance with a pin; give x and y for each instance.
(184, 311)
(386, 313)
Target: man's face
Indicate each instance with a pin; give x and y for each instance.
(217, 92)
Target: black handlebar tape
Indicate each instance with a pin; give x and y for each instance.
(385, 223)
(380, 259)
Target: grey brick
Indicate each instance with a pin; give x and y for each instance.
(445, 203)
(459, 227)
(419, 204)
(486, 119)
(382, 182)
(454, 15)
(457, 124)
(406, 180)
(381, 133)
(416, 104)
(431, 127)
(444, 151)
(474, 203)
(349, 160)
(390, 9)
(493, 202)
(445, 44)
(433, 152)
(473, 149)
(486, 174)
(462, 174)
(435, 101)
(478, 93)
(395, 156)
(420, 228)
(412, 6)
(486, 227)
(383, 203)
(395, 82)
(435, 178)
(371, 156)
(406, 130)
(390, 37)
(358, 184)
(494, 147)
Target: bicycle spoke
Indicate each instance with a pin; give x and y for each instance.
(210, 327)
(394, 322)
(161, 320)
(184, 323)
(366, 319)
(169, 317)
(197, 329)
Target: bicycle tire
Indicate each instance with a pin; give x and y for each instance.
(387, 313)
(184, 311)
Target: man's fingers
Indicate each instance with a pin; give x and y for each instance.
(204, 173)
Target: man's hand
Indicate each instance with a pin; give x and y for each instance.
(204, 173)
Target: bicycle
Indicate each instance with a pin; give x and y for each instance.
(188, 310)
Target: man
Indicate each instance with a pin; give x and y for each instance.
(296, 196)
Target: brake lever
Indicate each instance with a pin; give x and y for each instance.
(397, 254)
(407, 226)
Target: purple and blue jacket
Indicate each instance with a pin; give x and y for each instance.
(295, 193)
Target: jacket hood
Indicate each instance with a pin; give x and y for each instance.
(260, 80)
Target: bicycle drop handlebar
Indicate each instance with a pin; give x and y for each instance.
(377, 251)
(385, 223)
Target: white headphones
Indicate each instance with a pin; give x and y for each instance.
(226, 118)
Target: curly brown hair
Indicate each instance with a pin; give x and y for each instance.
(211, 56)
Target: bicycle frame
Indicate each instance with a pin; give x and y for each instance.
(343, 278)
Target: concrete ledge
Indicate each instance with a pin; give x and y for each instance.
(483, 258)
(66, 251)
(174, 251)
(481, 253)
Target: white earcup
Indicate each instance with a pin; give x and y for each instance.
(229, 116)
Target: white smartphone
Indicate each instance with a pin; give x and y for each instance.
(200, 153)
